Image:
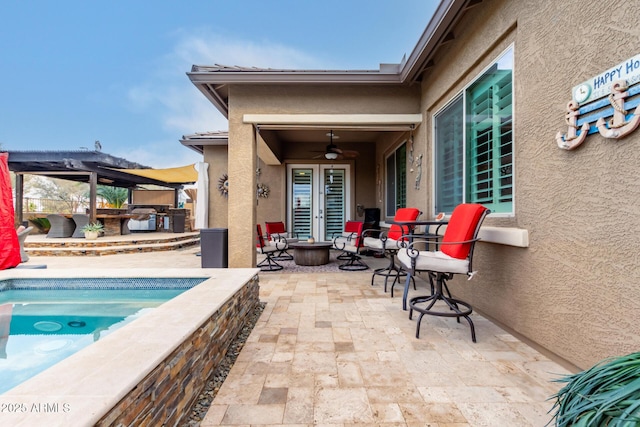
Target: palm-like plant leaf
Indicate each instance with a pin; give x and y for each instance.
(608, 394)
(115, 196)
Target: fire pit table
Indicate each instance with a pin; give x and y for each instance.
(311, 253)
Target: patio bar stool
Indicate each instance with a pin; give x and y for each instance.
(454, 256)
(388, 243)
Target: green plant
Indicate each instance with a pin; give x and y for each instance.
(42, 224)
(608, 394)
(116, 197)
(93, 226)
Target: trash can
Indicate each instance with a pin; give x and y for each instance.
(178, 223)
(214, 251)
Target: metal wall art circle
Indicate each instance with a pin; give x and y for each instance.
(263, 191)
(223, 185)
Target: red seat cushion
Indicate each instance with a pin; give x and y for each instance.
(461, 227)
(402, 214)
(275, 228)
(354, 227)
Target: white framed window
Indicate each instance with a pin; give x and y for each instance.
(474, 142)
(396, 181)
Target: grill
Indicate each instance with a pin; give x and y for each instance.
(144, 220)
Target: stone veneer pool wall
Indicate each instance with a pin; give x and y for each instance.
(166, 395)
(147, 373)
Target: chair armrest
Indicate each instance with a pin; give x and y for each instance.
(382, 233)
(370, 231)
(279, 239)
(414, 253)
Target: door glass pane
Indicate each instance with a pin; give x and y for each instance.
(301, 208)
(334, 201)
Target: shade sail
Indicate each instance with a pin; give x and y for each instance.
(180, 175)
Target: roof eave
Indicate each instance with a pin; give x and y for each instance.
(295, 77)
(198, 141)
(443, 19)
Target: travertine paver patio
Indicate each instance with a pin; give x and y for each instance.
(332, 350)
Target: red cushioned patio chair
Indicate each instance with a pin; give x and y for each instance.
(388, 244)
(268, 249)
(350, 243)
(454, 256)
(277, 232)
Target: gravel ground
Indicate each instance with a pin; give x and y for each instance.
(214, 383)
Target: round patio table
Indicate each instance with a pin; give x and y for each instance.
(311, 253)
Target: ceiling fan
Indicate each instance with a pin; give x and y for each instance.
(332, 152)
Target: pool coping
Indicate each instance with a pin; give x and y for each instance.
(84, 387)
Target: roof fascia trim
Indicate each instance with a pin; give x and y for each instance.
(293, 77)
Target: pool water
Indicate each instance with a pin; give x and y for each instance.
(41, 323)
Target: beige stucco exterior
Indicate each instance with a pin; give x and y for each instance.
(573, 286)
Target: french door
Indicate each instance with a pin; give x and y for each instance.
(318, 199)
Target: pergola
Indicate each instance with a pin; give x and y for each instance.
(95, 168)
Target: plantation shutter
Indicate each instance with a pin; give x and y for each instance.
(334, 201)
(489, 141)
(391, 187)
(449, 128)
(401, 177)
(302, 201)
(396, 180)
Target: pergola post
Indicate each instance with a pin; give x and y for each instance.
(93, 186)
(19, 198)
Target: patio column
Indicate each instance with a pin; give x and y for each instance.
(242, 194)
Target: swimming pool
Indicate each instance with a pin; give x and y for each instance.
(43, 321)
(126, 375)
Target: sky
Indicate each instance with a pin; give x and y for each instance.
(76, 71)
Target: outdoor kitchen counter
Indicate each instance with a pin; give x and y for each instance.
(115, 225)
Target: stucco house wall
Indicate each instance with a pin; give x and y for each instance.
(289, 99)
(217, 158)
(574, 290)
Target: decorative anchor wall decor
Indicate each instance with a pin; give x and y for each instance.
(619, 127)
(602, 104)
(571, 140)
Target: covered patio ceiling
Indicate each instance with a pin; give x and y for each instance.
(307, 135)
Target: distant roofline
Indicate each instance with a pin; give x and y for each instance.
(212, 80)
(198, 140)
